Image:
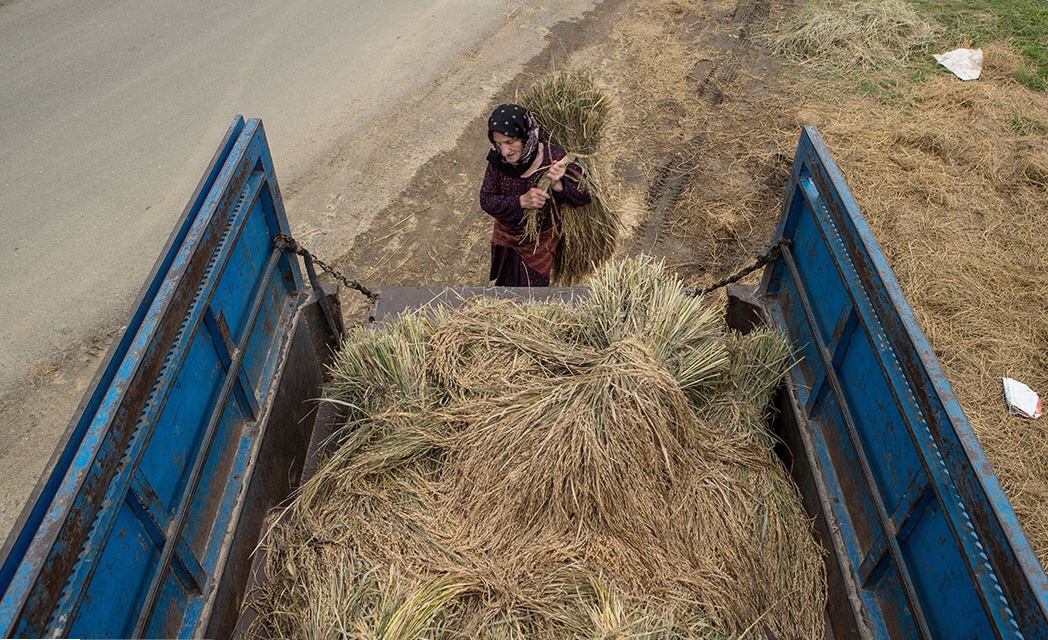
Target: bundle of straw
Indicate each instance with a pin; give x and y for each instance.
(572, 113)
(536, 470)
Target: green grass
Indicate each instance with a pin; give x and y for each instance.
(976, 23)
(1027, 126)
(885, 90)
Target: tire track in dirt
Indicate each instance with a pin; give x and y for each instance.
(713, 78)
(748, 13)
(665, 190)
(717, 76)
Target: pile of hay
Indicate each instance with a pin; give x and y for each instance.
(534, 470)
(854, 35)
(572, 113)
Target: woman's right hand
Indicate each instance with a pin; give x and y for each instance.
(533, 199)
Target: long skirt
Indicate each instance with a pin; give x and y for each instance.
(508, 270)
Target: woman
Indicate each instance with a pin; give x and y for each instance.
(516, 161)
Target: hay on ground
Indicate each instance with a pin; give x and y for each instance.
(545, 471)
(854, 35)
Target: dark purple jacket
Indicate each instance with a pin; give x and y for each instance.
(500, 193)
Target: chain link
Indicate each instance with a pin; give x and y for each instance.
(352, 284)
(287, 243)
(770, 256)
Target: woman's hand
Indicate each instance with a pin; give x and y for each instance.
(533, 199)
(556, 172)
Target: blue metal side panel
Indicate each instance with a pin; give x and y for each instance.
(818, 272)
(178, 601)
(848, 502)
(124, 570)
(175, 441)
(939, 571)
(274, 299)
(126, 534)
(257, 363)
(222, 473)
(248, 258)
(218, 472)
(880, 424)
(805, 346)
(925, 532)
(889, 596)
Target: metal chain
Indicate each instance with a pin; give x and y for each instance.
(287, 243)
(770, 256)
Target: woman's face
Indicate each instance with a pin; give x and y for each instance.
(510, 148)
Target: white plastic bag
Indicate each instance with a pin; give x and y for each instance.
(1021, 399)
(966, 64)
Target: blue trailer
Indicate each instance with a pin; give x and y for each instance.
(203, 417)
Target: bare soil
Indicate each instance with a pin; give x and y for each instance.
(434, 232)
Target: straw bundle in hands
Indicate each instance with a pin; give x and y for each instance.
(572, 113)
(546, 471)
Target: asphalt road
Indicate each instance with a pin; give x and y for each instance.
(110, 111)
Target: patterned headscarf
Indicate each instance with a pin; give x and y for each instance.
(517, 122)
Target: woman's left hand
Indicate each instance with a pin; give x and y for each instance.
(556, 172)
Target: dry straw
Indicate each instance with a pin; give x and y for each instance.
(851, 35)
(535, 470)
(573, 113)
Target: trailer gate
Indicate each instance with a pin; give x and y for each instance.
(923, 532)
(159, 488)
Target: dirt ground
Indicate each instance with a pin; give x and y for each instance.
(435, 234)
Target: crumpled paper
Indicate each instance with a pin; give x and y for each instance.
(1021, 399)
(966, 64)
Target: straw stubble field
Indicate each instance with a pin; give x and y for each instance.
(707, 102)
